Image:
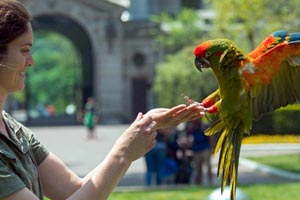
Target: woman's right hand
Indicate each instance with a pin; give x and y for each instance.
(137, 139)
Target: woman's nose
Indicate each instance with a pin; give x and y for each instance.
(30, 61)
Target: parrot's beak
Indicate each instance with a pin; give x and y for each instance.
(201, 63)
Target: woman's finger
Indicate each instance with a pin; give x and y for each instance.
(138, 117)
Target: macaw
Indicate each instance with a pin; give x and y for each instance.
(248, 86)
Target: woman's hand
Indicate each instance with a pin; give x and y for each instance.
(170, 117)
(137, 139)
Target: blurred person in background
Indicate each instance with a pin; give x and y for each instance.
(155, 160)
(90, 117)
(170, 167)
(201, 146)
(184, 159)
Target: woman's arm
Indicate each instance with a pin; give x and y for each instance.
(23, 194)
(61, 183)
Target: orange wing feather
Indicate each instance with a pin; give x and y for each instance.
(263, 47)
(269, 75)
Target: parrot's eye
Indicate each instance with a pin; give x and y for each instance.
(207, 54)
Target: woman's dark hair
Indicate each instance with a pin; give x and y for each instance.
(13, 22)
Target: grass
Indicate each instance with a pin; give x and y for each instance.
(288, 162)
(272, 191)
(186, 193)
(255, 192)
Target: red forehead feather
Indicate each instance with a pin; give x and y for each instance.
(200, 50)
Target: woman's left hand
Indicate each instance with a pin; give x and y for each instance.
(171, 117)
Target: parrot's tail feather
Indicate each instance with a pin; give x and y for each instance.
(220, 142)
(225, 159)
(237, 140)
(215, 127)
(229, 144)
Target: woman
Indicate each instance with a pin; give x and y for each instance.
(27, 170)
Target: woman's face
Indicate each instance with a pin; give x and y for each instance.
(15, 63)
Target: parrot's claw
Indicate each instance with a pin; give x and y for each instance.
(190, 101)
(205, 110)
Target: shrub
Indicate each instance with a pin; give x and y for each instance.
(283, 121)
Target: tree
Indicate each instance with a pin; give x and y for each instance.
(248, 22)
(179, 31)
(177, 76)
(56, 72)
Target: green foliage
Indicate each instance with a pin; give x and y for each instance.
(263, 125)
(179, 31)
(248, 22)
(56, 71)
(19, 96)
(284, 119)
(177, 76)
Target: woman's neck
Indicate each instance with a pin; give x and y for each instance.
(3, 129)
(2, 101)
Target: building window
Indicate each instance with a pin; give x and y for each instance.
(139, 59)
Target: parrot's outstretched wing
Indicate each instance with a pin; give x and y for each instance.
(272, 75)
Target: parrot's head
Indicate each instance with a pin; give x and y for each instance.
(210, 54)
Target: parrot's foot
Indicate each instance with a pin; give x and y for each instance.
(190, 101)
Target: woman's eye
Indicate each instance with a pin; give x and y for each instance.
(25, 51)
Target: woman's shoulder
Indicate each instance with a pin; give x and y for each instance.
(15, 125)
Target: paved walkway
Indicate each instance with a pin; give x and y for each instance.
(82, 155)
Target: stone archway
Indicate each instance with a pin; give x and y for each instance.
(81, 41)
(95, 29)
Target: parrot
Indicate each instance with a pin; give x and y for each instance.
(249, 85)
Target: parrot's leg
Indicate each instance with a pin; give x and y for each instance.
(211, 99)
(211, 109)
(214, 108)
